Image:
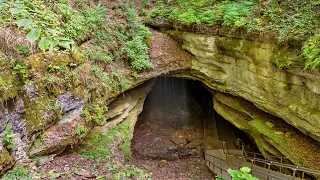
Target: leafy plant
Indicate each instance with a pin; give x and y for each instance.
(137, 51)
(17, 174)
(81, 131)
(311, 51)
(242, 174)
(22, 70)
(38, 21)
(285, 19)
(220, 177)
(8, 136)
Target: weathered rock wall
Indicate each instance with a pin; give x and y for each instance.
(245, 69)
(272, 135)
(46, 114)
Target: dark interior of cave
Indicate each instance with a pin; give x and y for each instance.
(178, 121)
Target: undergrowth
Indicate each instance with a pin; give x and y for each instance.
(17, 174)
(285, 19)
(56, 26)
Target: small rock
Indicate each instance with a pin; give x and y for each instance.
(147, 167)
(157, 139)
(288, 134)
(174, 156)
(279, 133)
(269, 124)
(84, 173)
(172, 148)
(162, 163)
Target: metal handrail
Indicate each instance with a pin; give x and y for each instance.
(280, 165)
(238, 166)
(304, 160)
(276, 157)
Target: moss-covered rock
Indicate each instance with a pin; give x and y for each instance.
(9, 83)
(280, 139)
(246, 69)
(6, 161)
(115, 136)
(42, 63)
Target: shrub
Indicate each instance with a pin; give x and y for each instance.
(17, 174)
(311, 51)
(242, 174)
(137, 51)
(8, 136)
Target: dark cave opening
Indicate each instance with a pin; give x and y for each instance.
(178, 121)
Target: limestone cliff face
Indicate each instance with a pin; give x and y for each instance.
(245, 69)
(47, 114)
(272, 135)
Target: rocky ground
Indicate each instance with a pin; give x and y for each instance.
(168, 137)
(182, 169)
(75, 167)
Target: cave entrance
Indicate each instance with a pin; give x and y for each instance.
(178, 121)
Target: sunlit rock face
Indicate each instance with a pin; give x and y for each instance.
(245, 69)
(230, 65)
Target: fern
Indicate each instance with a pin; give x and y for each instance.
(311, 51)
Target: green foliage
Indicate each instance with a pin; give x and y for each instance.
(21, 70)
(81, 131)
(17, 173)
(75, 26)
(285, 19)
(96, 113)
(220, 177)
(124, 129)
(242, 174)
(120, 172)
(128, 40)
(311, 51)
(8, 136)
(100, 147)
(137, 51)
(38, 21)
(2, 84)
(227, 13)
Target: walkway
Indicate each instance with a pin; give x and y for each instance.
(219, 163)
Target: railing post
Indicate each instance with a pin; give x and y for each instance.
(265, 164)
(252, 163)
(294, 172)
(269, 168)
(227, 147)
(281, 160)
(220, 167)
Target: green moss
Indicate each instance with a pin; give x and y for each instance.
(9, 83)
(287, 57)
(6, 161)
(97, 146)
(35, 113)
(268, 131)
(126, 135)
(40, 62)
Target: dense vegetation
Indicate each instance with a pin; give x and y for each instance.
(285, 19)
(56, 26)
